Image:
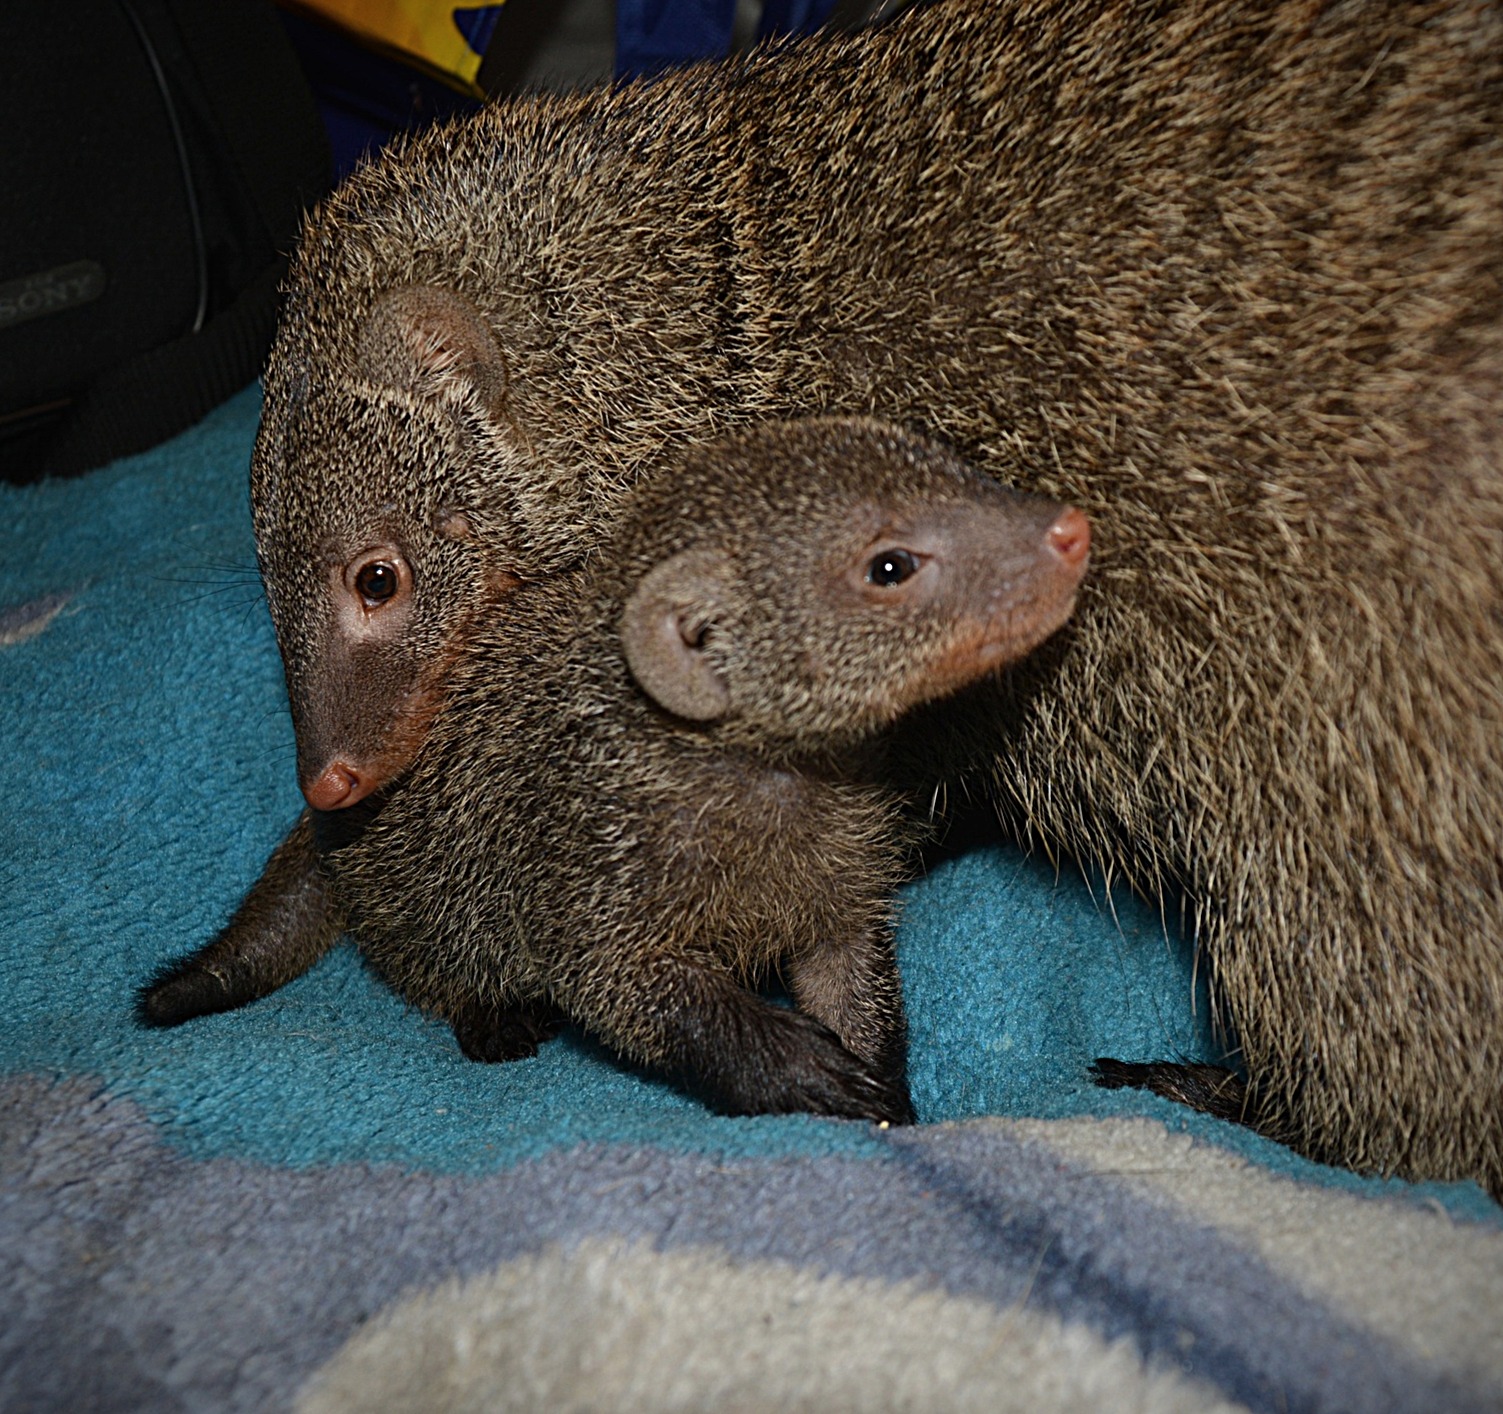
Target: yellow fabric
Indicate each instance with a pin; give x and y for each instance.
(421, 32)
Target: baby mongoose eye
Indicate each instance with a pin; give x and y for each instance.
(892, 567)
(377, 582)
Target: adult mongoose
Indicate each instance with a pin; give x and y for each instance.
(1228, 274)
(652, 781)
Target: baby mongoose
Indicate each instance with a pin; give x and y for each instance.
(1225, 274)
(651, 783)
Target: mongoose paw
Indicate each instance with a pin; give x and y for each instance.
(798, 1066)
(490, 1035)
(1211, 1089)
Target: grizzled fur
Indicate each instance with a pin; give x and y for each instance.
(1228, 274)
(569, 841)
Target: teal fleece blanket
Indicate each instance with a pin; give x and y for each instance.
(318, 1203)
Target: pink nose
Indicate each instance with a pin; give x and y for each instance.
(1070, 536)
(337, 787)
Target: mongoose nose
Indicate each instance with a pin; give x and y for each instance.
(337, 787)
(1070, 536)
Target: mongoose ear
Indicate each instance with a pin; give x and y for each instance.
(420, 337)
(663, 630)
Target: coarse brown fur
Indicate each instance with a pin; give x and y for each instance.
(1229, 276)
(650, 783)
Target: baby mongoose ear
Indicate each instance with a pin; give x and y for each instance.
(421, 337)
(663, 631)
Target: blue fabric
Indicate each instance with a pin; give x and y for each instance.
(794, 16)
(477, 26)
(653, 35)
(320, 1154)
(367, 98)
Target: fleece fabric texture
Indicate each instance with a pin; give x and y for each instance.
(317, 1202)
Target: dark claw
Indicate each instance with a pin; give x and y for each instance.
(792, 1064)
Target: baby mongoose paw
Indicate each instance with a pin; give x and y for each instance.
(804, 1069)
(514, 1033)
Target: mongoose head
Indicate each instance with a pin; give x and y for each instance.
(809, 582)
(382, 534)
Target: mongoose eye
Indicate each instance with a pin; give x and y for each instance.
(892, 567)
(377, 582)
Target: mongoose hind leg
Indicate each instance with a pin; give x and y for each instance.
(491, 1034)
(283, 926)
